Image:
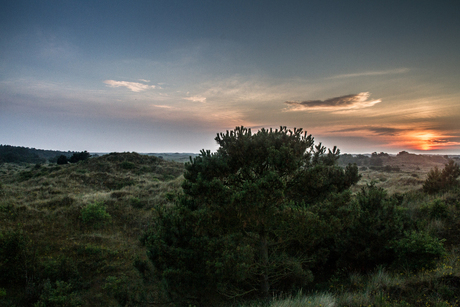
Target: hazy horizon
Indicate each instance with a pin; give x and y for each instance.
(167, 76)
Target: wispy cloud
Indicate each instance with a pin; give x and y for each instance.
(196, 99)
(162, 106)
(383, 131)
(144, 80)
(372, 73)
(347, 102)
(133, 86)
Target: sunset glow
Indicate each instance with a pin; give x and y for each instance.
(166, 76)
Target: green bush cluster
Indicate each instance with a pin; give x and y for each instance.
(127, 165)
(438, 181)
(35, 282)
(438, 209)
(365, 242)
(14, 260)
(95, 215)
(58, 294)
(79, 156)
(418, 250)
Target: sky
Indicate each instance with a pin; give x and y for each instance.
(167, 76)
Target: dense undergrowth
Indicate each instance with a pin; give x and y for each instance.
(69, 236)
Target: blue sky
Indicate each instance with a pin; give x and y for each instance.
(166, 76)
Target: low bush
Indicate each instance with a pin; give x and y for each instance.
(14, 260)
(438, 181)
(80, 156)
(365, 243)
(127, 165)
(95, 215)
(418, 250)
(436, 210)
(59, 293)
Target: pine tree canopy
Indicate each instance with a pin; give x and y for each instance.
(254, 217)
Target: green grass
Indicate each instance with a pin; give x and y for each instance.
(74, 261)
(48, 206)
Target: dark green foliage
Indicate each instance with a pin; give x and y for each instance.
(438, 181)
(15, 154)
(14, 257)
(378, 155)
(417, 250)
(79, 156)
(12, 154)
(62, 160)
(254, 218)
(95, 215)
(58, 294)
(365, 243)
(136, 202)
(436, 210)
(127, 165)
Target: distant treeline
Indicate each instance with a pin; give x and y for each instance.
(16, 154)
(380, 159)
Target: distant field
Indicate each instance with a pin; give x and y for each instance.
(181, 157)
(397, 174)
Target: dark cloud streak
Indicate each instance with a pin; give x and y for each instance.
(351, 101)
(389, 131)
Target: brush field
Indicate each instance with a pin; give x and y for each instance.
(44, 203)
(69, 255)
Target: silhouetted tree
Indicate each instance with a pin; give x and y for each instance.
(252, 217)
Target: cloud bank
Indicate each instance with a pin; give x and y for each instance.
(347, 102)
(133, 86)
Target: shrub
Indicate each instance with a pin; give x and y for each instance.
(13, 257)
(57, 294)
(95, 215)
(136, 203)
(61, 269)
(117, 287)
(418, 250)
(437, 209)
(127, 165)
(438, 181)
(62, 160)
(365, 243)
(80, 156)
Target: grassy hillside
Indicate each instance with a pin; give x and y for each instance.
(41, 212)
(70, 236)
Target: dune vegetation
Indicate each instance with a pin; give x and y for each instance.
(88, 233)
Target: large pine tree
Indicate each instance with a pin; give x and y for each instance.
(253, 217)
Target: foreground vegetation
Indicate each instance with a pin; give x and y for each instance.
(70, 233)
(70, 237)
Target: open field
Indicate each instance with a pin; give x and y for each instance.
(398, 174)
